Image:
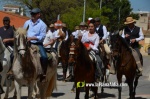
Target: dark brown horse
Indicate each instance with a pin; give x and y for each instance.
(84, 68)
(125, 64)
(64, 53)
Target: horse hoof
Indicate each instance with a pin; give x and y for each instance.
(72, 90)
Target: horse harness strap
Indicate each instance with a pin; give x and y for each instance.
(72, 48)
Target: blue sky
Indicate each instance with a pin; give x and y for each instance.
(142, 5)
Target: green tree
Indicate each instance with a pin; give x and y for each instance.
(71, 11)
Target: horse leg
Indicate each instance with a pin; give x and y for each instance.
(119, 77)
(135, 85)
(94, 89)
(73, 87)
(77, 93)
(86, 93)
(65, 66)
(130, 84)
(7, 88)
(30, 90)
(18, 90)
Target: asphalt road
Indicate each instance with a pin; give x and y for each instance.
(64, 88)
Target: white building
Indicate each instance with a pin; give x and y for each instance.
(13, 9)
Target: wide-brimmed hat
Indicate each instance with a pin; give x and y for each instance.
(77, 28)
(64, 25)
(129, 20)
(82, 24)
(51, 25)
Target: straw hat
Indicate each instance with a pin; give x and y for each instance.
(77, 28)
(129, 20)
(52, 25)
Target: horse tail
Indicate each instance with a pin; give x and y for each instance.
(52, 85)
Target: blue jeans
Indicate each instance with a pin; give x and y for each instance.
(43, 53)
(44, 58)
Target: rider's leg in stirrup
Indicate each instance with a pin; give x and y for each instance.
(10, 72)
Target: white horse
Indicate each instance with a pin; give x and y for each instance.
(5, 61)
(26, 67)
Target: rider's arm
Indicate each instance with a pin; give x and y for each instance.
(123, 34)
(66, 35)
(105, 33)
(141, 36)
(96, 44)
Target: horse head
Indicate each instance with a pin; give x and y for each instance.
(20, 41)
(115, 44)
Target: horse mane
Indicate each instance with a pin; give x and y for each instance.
(124, 42)
(21, 30)
(83, 57)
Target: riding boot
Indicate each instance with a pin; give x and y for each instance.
(1, 67)
(70, 77)
(1, 89)
(44, 67)
(10, 72)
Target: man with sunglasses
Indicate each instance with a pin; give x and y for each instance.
(36, 34)
(7, 35)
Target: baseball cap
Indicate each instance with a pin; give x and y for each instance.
(6, 18)
(35, 10)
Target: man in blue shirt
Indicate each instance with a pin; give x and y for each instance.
(36, 34)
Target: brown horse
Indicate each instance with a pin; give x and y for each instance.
(125, 64)
(84, 68)
(64, 53)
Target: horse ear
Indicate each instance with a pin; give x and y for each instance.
(14, 28)
(27, 27)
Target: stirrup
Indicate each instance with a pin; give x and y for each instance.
(10, 77)
(43, 78)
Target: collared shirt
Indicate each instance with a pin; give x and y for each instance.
(141, 36)
(48, 38)
(93, 39)
(37, 29)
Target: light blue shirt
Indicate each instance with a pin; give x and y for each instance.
(37, 29)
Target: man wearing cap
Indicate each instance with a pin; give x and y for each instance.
(82, 29)
(133, 34)
(102, 32)
(36, 34)
(7, 35)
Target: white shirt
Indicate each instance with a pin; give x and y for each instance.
(141, 36)
(104, 32)
(93, 39)
(49, 36)
(56, 35)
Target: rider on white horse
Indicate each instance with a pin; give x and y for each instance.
(36, 34)
(7, 35)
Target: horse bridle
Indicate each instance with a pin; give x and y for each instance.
(18, 43)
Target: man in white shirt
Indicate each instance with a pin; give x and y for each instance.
(102, 32)
(49, 39)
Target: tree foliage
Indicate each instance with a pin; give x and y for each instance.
(71, 11)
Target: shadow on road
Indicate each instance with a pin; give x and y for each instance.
(106, 95)
(23, 97)
(139, 98)
(57, 94)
